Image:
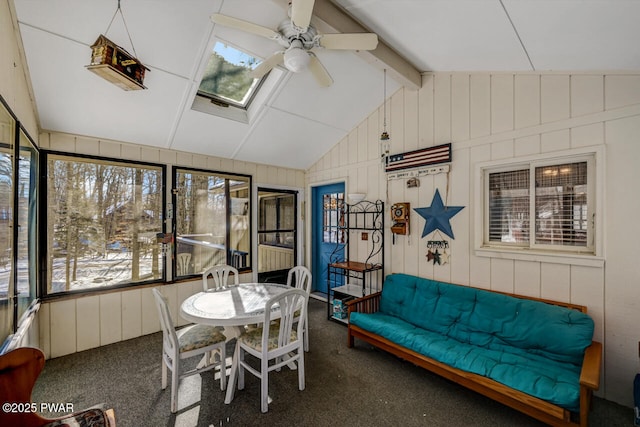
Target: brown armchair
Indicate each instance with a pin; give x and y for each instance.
(19, 370)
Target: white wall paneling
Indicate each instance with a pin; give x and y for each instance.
(88, 313)
(484, 115)
(86, 322)
(131, 314)
(503, 116)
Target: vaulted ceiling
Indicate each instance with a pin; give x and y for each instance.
(299, 121)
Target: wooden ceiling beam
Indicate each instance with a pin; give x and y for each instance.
(334, 19)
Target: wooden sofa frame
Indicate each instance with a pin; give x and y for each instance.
(537, 408)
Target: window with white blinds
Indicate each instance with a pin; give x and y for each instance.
(541, 205)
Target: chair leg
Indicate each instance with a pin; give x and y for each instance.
(264, 384)
(306, 335)
(232, 378)
(223, 368)
(164, 374)
(175, 378)
(240, 368)
(301, 369)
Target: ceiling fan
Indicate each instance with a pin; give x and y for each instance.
(300, 39)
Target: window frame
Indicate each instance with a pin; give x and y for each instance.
(227, 102)
(268, 85)
(592, 255)
(278, 228)
(44, 249)
(250, 222)
(33, 221)
(14, 305)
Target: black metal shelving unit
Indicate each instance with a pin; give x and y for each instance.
(348, 278)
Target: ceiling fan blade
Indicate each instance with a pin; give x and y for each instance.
(353, 41)
(249, 27)
(267, 65)
(319, 72)
(301, 11)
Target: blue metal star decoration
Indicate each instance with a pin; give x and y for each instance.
(438, 216)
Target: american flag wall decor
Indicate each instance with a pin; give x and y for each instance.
(418, 158)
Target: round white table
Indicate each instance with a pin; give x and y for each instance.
(232, 307)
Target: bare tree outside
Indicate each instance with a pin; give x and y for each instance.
(103, 219)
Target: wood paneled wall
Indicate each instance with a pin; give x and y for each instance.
(494, 116)
(272, 258)
(14, 85)
(75, 324)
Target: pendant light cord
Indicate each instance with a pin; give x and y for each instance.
(384, 136)
(384, 103)
(118, 9)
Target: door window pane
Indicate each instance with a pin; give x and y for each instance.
(276, 234)
(333, 218)
(212, 221)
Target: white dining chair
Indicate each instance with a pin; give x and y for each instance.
(183, 262)
(220, 275)
(191, 341)
(300, 278)
(279, 343)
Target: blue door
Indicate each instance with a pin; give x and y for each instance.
(327, 223)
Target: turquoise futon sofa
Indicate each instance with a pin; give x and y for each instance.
(534, 355)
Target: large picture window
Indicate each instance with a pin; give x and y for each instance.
(19, 163)
(546, 204)
(103, 218)
(212, 221)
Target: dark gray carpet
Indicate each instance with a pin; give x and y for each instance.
(362, 386)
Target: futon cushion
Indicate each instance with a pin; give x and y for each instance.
(531, 346)
(488, 319)
(556, 382)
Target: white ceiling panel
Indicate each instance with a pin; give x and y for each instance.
(301, 121)
(206, 134)
(444, 35)
(286, 140)
(162, 50)
(72, 99)
(578, 35)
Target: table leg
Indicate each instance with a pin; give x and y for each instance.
(231, 384)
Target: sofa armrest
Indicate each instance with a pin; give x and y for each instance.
(590, 374)
(366, 304)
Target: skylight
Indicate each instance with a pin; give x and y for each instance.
(226, 79)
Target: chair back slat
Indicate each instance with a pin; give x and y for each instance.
(169, 337)
(220, 275)
(288, 302)
(300, 278)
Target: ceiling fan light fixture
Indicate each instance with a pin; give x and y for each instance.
(296, 59)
